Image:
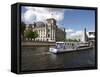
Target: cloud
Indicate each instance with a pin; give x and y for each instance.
(29, 16)
(77, 33)
(71, 33)
(22, 16)
(33, 14)
(69, 30)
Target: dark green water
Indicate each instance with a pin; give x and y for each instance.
(39, 58)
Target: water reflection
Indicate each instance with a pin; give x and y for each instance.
(37, 58)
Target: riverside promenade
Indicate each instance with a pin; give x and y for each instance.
(35, 43)
(71, 47)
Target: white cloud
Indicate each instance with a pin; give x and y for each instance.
(74, 34)
(41, 14)
(69, 30)
(29, 16)
(77, 33)
(22, 16)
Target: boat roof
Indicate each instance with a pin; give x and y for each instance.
(59, 42)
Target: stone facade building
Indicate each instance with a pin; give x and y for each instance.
(48, 31)
(91, 37)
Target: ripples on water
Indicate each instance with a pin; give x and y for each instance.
(37, 58)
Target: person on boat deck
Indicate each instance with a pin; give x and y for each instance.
(60, 46)
(72, 46)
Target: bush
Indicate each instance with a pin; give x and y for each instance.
(31, 35)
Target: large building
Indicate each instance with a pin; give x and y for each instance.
(48, 31)
(91, 37)
(88, 37)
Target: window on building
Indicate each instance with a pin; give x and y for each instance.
(48, 30)
(48, 35)
(91, 33)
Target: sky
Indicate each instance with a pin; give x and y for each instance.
(73, 20)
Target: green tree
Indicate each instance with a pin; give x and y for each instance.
(79, 40)
(35, 35)
(31, 35)
(75, 40)
(72, 40)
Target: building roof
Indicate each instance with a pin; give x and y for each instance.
(50, 19)
(40, 24)
(91, 35)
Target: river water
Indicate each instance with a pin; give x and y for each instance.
(39, 58)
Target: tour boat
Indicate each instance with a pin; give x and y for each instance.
(64, 47)
(60, 47)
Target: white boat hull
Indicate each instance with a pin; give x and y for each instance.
(55, 50)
